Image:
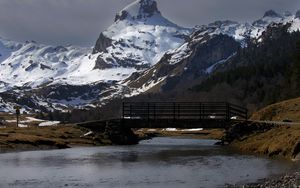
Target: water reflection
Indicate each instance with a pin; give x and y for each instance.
(161, 162)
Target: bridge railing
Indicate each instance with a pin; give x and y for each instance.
(183, 110)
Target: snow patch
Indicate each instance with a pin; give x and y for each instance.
(22, 125)
(210, 69)
(170, 129)
(191, 130)
(49, 123)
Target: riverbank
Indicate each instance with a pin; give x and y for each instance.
(266, 139)
(288, 180)
(59, 137)
(54, 137)
(214, 134)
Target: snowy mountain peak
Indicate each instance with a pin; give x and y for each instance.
(139, 9)
(297, 14)
(138, 38)
(272, 14)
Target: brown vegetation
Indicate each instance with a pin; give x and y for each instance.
(215, 134)
(286, 110)
(266, 138)
(58, 137)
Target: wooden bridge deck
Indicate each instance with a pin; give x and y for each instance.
(181, 114)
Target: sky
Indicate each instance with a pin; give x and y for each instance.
(79, 22)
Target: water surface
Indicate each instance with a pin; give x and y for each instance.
(160, 162)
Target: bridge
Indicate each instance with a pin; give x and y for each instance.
(185, 115)
(181, 114)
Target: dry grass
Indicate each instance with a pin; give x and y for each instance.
(215, 134)
(46, 138)
(279, 141)
(286, 110)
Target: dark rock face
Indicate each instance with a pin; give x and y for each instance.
(120, 135)
(126, 62)
(113, 131)
(242, 129)
(147, 8)
(121, 16)
(276, 31)
(216, 49)
(272, 13)
(43, 67)
(101, 64)
(298, 14)
(102, 43)
(31, 67)
(67, 92)
(204, 53)
(203, 56)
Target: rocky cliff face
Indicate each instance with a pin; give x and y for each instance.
(297, 14)
(102, 43)
(205, 53)
(140, 9)
(138, 37)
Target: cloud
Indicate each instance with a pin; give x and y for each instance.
(80, 21)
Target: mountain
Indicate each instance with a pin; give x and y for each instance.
(209, 47)
(142, 52)
(64, 77)
(138, 38)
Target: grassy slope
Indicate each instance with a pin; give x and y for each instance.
(286, 110)
(278, 141)
(282, 140)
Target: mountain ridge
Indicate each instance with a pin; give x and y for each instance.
(141, 52)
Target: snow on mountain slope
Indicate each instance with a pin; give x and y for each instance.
(138, 52)
(239, 31)
(31, 64)
(188, 60)
(138, 38)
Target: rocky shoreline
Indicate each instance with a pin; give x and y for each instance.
(291, 180)
(288, 180)
(271, 140)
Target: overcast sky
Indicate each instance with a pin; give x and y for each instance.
(80, 22)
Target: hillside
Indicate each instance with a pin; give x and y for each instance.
(286, 110)
(258, 75)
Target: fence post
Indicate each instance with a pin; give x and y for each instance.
(200, 113)
(130, 111)
(227, 111)
(178, 110)
(174, 111)
(154, 111)
(148, 107)
(123, 110)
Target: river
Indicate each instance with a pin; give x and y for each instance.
(160, 162)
